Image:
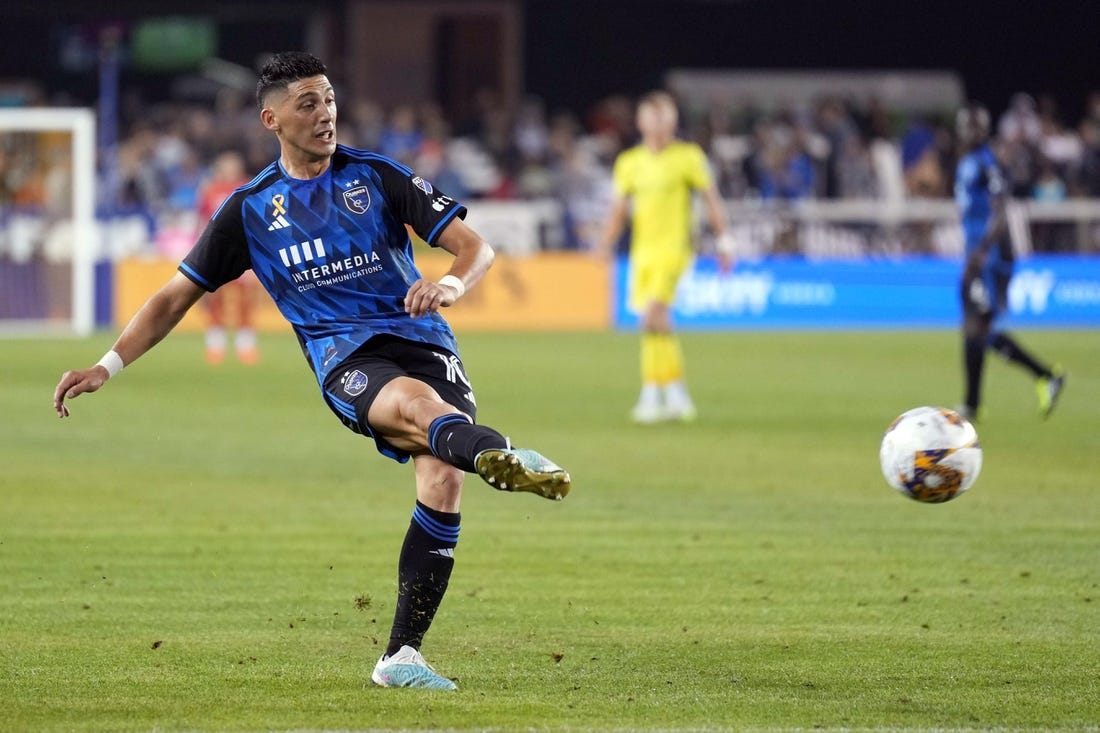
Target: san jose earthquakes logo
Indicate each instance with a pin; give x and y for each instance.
(354, 382)
(423, 185)
(357, 199)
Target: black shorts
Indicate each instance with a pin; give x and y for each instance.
(351, 387)
(985, 294)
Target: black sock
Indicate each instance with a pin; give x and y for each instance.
(456, 440)
(1007, 347)
(427, 558)
(974, 360)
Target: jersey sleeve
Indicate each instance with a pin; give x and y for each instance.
(417, 203)
(967, 171)
(621, 179)
(221, 254)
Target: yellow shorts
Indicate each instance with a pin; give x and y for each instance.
(655, 279)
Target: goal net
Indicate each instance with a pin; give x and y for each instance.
(47, 221)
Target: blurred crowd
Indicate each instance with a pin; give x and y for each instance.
(832, 149)
(827, 150)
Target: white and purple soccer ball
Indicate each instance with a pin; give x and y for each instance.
(930, 454)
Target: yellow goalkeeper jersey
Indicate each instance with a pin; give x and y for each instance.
(660, 185)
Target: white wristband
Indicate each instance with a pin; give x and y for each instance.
(454, 282)
(725, 244)
(112, 362)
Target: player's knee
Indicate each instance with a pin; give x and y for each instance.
(422, 409)
(449, 480)
(656, 320)
(999, 342)
(976, 327)
(399, 409)
(439, 485)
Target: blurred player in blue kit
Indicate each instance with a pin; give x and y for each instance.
(323, 230)
(980, 194)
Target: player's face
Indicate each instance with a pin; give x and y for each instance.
(972, 127)
(304, 119)
(657, 122)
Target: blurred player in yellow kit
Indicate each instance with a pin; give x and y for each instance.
(659, 176)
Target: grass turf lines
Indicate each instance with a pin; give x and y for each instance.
(207, 548)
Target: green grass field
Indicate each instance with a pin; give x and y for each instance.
(208, 549)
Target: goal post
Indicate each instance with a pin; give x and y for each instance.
(48, 241)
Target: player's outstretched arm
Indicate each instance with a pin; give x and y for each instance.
(150, 324)
(473, 257)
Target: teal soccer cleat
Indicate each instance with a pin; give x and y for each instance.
(407, 668)
(517, 469)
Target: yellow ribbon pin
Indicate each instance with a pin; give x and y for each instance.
(277, 201)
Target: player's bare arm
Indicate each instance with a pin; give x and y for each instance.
(716, 217)
(473, 257)
(996, 232)
(613, 228)
(150, 324)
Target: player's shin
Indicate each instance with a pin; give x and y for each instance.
(424, 571)
(974, 363)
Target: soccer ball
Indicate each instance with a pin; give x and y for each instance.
(930, 454)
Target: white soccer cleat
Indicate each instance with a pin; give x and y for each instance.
(678, 404)
(408, 668)
(647, 413)
(517, 469)
(682, 411)
(966, 412)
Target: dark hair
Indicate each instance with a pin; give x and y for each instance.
(284, 68)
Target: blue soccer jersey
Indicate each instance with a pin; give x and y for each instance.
(978, 181)
(333, 251)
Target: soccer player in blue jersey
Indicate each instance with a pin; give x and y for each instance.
(980, 194)
(323, 229)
